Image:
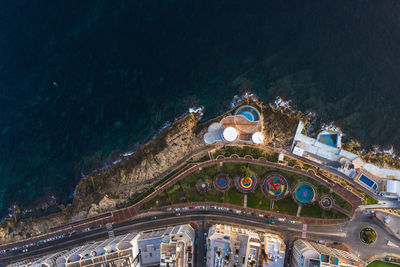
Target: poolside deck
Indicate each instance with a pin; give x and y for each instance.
(244, 127)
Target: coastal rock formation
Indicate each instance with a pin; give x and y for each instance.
(145, 166)
(116, 186)
(280, 127)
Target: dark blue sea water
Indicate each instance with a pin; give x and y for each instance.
(81, 81)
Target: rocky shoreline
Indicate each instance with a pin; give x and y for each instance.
(119, 184)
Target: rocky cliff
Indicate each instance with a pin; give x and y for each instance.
(108, 189)
(139, 171)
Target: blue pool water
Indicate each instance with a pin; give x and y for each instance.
(368, 182)
(328, 139)
(249, 113)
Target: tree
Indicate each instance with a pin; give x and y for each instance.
(245, 171)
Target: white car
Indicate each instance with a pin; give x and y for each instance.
(290, 221)
(281, 219)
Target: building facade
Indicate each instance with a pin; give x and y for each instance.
(229, 246)
(311, 254)
(169, 247)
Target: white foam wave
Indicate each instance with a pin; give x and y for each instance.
(198, 110)
(330, 127)
(239, 99)
(283, 104)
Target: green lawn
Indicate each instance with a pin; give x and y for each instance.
(232, 169)
(184, 191)
(246, 150)
(382, 264)
(174, 190)
(315, 211)
(235, 197)
(370, 200)
(286, 206)
(211, 171)
(257, 200)
(341, 202)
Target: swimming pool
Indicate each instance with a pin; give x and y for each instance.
(368, 182)
(328, 139)
(249, 113)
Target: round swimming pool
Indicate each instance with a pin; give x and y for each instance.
(304, 193)
(249, 113)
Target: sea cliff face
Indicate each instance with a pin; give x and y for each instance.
(105, 190)
(109, 189)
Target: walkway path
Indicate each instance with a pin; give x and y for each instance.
(298, 211)
(130, 212)
(337, 188)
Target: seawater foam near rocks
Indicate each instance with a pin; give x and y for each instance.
(198, 110)
(239, 99)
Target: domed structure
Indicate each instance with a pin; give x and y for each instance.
(257, 138)
(230, 134)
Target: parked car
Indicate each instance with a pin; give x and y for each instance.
(281, 219)
(271, 222)
(290, 221)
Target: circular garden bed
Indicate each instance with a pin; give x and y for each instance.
(304, 194)
(275, 186)
(326, 202)
(202, 186)
(246, 184)
(222, 182)
(368, 235)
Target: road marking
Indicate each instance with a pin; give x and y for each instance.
(318, 233)
(304, 233)
(392, 244)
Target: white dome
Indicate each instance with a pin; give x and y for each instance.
(257, 137)
(230, 134)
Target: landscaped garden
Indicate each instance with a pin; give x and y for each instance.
(246, 150)
(185, 191)
(382, 264)
(368, 235)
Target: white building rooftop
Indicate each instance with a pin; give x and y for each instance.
(230, 134)
(257, 138)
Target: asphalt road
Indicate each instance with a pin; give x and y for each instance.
(346, 233)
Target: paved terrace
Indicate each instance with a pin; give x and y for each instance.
(130, 212)
(243, 126)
